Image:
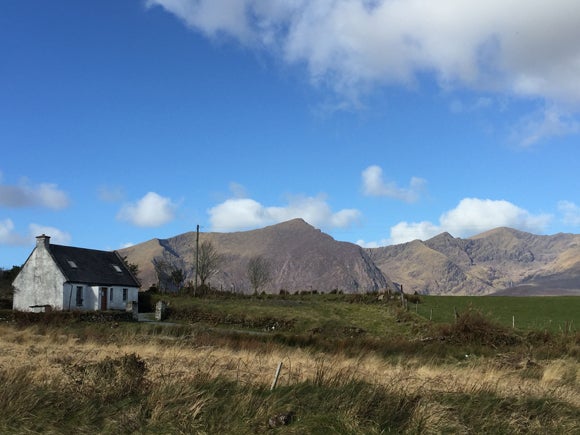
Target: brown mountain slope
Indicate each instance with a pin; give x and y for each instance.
(500, 259)
(419, 268)
(302, 258)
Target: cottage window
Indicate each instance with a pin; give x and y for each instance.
(125, 294)
(117, 268)
(111, 294)
(72, 264)
(79, 298)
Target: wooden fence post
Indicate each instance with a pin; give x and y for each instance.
(275, 381)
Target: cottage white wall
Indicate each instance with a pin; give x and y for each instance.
(40, 282)
(93, 298)
(117, 302)
(90, 297)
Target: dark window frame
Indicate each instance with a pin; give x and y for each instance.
(79, 296)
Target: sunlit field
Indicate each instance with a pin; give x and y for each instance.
(342, 371)
(527, 313)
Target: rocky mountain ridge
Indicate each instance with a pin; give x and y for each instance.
(302, 257)
(501, 260)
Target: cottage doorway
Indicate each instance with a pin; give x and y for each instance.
(104, 298)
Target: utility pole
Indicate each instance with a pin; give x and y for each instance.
(196, 259)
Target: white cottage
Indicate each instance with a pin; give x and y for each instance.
(68, 278)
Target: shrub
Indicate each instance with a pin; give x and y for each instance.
(413, 299)
(472, 327)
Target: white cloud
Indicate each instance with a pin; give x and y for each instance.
(374, 185)
(8, 236)
(211, 17)
(57, 236)
(570, 211)
(237, 190)
(546, 123)
(374, 244)
(407, 231)
(237, 213)
(111, 194)
(244, 213)
(152, 210)
(481, 103)
(471, 216)
(354, 44)
(25, 195)
(6, 227)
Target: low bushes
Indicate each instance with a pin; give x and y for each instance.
(472, 327)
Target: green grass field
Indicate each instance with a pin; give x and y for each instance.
(326, 312)
(553, 314)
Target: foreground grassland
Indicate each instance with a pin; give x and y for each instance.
(350, 365)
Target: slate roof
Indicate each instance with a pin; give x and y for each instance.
(93, 267)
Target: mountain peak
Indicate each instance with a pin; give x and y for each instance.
(442, 236)
(293, 223)
(499, 232)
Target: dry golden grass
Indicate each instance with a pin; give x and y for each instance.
(44, 356)
(191, 387)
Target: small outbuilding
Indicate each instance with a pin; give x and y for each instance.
(68, 278)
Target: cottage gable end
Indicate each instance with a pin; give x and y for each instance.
(40, 281)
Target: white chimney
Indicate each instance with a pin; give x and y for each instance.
(43, 241)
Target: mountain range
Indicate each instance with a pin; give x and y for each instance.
(500, 261)
(301, 257)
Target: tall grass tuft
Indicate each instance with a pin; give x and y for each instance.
(110, 378)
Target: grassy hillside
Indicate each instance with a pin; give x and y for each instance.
(351, 364)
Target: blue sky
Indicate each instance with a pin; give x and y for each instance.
(378, 122)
